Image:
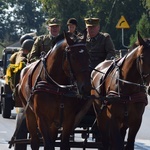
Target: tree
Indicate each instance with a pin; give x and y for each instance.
(3, 16)
(108, 11)
(58, 9)
(27, 16)
(20, 17)
(143, 27)
(131, 12)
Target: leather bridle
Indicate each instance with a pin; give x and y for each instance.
(71, 72)
(143, 75)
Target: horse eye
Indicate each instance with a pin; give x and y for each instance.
(81, 51)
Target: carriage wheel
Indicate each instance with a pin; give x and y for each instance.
(22, 133)
(6, 107)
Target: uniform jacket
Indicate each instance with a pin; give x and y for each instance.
(42, 43)
(100, 48)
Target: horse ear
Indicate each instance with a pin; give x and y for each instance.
(141, 41)
(68, 39)
(85, 35)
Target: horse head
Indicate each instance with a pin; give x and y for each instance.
(76, 63)
(144, 61)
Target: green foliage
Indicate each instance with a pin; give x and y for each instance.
(30, 15)
(20, 17)
(57, 8)
(143, 26)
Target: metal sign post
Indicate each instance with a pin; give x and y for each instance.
(123, 39)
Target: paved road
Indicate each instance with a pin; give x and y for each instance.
(7, 127)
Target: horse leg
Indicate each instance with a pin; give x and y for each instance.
(123, 131)
(103, 127)
(117, 142)
(132, 134)
(134, 124)
(48, 132)
(105, 138)
(32, 127)
(66, 132)
(65, 138)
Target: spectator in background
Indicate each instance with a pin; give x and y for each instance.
(18, 61)
(21, 55)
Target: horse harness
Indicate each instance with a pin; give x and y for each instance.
(117, 97)
(51, 86)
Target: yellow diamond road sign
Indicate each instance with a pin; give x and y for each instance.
(122, 23)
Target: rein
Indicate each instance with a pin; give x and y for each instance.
(43, 59)
(71, 72)
(140, 70)
(59, 85)
(58, 88)
(121, 80)
(132, 83)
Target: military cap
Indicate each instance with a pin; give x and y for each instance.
(53, 22)
(91, 21)
(72, 21)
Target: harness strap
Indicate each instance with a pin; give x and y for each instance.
(134, 98)
(61, 86)
(128, 82)
(20, 122)
(43, 86)
(25, 109)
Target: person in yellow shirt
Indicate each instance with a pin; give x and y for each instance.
(18, 61)
(21, 55)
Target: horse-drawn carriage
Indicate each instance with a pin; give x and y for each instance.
(57, 95)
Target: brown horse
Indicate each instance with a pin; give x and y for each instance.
(54, 90)
(119, 88)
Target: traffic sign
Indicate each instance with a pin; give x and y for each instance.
(122, 23)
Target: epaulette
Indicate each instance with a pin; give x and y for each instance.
(106, 34)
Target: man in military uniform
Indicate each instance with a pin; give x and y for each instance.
(100, 45)
(44, 43)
